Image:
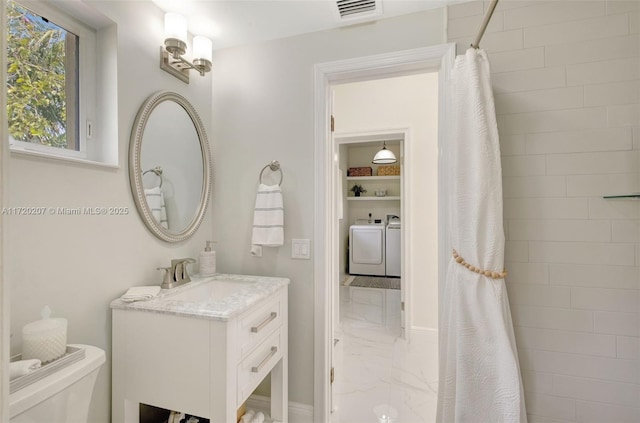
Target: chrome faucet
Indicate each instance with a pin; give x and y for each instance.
(179, 270)
(177, 274)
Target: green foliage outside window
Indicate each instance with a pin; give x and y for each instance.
(36, 106)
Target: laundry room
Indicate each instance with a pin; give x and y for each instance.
(373, 244)
(373, 198)
(371, 229)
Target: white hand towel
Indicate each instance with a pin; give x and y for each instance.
(23, 367)
(155, 201)
(140, 293)
(268, 217)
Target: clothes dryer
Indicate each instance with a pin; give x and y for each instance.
(366, 249)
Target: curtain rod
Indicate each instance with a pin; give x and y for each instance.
(485, 22)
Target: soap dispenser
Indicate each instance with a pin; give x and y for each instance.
(207, 261)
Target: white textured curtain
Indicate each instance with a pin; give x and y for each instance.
(480, 378)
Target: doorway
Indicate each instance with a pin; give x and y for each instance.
(369, 228)
(437, 59)
(374, 316)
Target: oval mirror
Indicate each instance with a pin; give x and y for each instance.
(169, 166)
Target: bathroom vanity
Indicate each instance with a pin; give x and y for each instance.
(201, 348)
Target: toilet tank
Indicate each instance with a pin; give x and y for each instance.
(63, 396)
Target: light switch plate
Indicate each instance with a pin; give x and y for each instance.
(301, 249)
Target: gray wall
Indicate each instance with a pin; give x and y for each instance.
(78, 264)
(263, 110)
(565, 77)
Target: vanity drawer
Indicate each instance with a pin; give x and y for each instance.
(253, 369)
(256, 325)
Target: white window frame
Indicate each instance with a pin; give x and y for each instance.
(87, 41)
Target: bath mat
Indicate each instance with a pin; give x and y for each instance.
(375, 282)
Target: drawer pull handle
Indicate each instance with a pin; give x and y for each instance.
(272, 316)
(273, 352)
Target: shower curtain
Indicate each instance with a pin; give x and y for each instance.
(479, 372)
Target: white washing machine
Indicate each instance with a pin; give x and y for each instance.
(393, 248)
(366, 249)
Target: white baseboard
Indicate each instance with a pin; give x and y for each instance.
(298, 412)
(428, 334)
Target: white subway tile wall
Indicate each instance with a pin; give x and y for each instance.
(566, 79)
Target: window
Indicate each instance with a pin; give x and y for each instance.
(51, 80)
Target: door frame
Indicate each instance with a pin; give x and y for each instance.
(436, 58)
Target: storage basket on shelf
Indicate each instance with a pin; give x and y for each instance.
(391, 170)
(359, 171)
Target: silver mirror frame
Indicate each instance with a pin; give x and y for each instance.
(135, 170)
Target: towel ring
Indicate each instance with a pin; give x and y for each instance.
(158, 171)
(274, 166)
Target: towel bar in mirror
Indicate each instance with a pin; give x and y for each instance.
(169, 135)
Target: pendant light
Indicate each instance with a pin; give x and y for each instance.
(384, 156)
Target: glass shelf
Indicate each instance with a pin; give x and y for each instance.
(622, 197)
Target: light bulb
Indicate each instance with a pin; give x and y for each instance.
(202, 48)
(175, 27)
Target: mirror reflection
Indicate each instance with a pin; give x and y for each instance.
(171, 164)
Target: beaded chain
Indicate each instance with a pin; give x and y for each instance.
(487, 273)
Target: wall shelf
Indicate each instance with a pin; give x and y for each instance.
(622, 197)
(372, 198)
(373, 178)
(390, 183)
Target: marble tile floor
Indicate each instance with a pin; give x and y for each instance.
(376, 365)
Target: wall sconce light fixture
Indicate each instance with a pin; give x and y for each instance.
(175, 46)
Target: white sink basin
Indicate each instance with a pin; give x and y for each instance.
(213, 291)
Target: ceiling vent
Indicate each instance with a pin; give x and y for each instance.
(358, 10)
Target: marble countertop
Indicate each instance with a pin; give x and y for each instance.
(222, 310)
